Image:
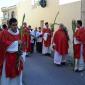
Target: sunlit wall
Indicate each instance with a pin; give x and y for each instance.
(34, 14)
(62, 2)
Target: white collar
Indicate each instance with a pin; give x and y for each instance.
(13, 33)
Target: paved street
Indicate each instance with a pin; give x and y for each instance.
(40, 70)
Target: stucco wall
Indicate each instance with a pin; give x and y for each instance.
(34, 15)
(69, 12)
(83, 11)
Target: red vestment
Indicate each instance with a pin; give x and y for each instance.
(61, 42)
(26, 40)
(47, 42)
(1, 54)
(80, 36)
(6, 39)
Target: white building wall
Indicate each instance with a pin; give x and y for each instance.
(34, 15)
(83, 11)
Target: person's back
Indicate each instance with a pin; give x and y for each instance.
(60, 45)
(61, 41)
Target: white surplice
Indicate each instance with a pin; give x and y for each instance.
(44, 48)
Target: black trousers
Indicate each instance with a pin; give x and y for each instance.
(39, 47)
(32, 47)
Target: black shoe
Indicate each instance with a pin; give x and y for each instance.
(48, 54)
(27, 55)
(76, 70)
(80, 70)
(63, 63)
(45, 54)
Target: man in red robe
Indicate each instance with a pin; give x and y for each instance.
(60, 45)
(47, 34)
(11, 63)
(79, 47)
(27, 37)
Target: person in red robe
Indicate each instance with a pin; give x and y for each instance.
(47, 34)
(79, 47)
(60, 45)
(11, 62)
(27, 37)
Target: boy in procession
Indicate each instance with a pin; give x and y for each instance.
(39, 40)
(11, 61)
(47, 35)
(79, 47)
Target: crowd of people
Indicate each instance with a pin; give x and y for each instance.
(16, 44)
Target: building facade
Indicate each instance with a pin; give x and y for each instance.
(36, 15)
(8, 12)
(83, 11)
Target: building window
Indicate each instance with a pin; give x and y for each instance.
(62, 2)
(5, 15)
(35, 2)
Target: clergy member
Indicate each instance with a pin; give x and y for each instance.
(60, 45)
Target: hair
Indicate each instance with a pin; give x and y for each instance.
(4, 26)
(39, 28)
(61, 25)
(29, 26)
(12, 20)
(64, 28)
(46, 23)
(24, 23)
(79, 22)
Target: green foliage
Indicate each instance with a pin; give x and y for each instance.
(54, 22)
(21, 28)
(73, 25)
(52, 27)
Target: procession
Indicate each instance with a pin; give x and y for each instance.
(24, 46)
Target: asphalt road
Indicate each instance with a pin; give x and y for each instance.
(40, 70)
